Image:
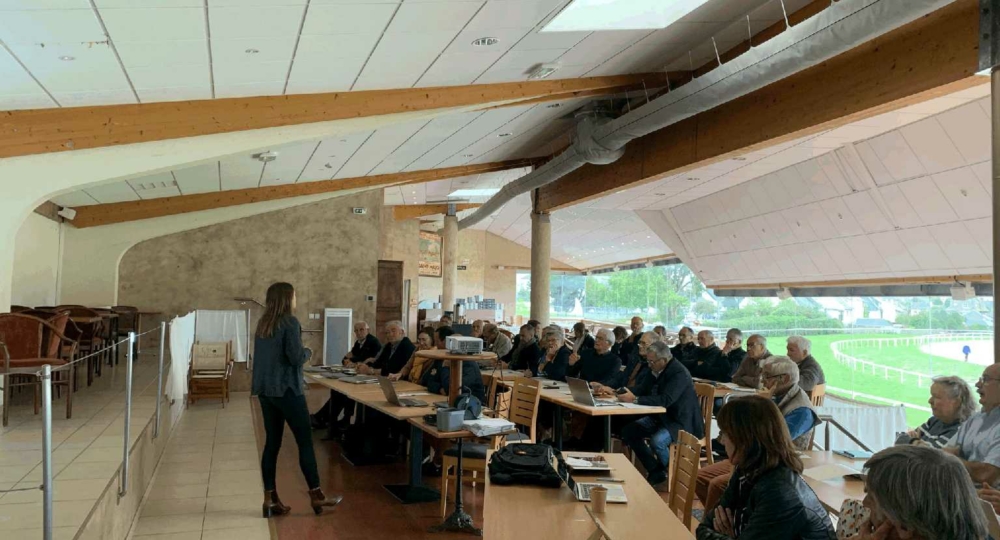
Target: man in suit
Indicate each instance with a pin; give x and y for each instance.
(366, 346)
(636, 368)
(394, 355)
(669, 385)
(599, 364)
(686, 348)
(733, 350)
(710, 364)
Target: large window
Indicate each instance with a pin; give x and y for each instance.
(875, 349)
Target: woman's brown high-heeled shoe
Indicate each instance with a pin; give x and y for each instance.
(319, 500)
(272, 505)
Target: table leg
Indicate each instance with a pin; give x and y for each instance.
(414, 492)
(607, 433)
(454, 381)
(458, 521)
(114, 343)
(138, 333)
(557, 427)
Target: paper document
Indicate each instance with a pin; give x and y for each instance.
(636, 406)
(828, 472)
(484, 427)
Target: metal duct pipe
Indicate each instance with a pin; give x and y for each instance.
(841, 27)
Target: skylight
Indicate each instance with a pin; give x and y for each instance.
(593, 15)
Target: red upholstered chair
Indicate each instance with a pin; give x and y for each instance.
(25, 347)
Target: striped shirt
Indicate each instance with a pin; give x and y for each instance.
(933, 432)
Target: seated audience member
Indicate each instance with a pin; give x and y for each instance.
(554, 358)
(709, 363)
(951, 404)
(599, 364)
(810, 372)
(686, 348)
(580, 332)
(445, 320)
(668, 385)
(537, 327)
(477, 328)
(631, 343)
(365, 346)
(748, 374)
(620, 334)
(661, 331)
(977, 442)
(394, 354)
(766, 497)
(780, 376)
(437, 377)
(920, 493)
(733, 350)
(524, 355)
(499, 343)
(414, 368)
(631, 373)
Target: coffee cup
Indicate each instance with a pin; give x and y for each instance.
(598, 499)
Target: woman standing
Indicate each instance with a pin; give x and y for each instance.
(277, 383)
(766, 497)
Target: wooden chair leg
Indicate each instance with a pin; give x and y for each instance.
(6, 400)
(36, 399)
(445, 467)
(69, 401)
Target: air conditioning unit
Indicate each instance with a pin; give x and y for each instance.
(963, 292)
(338, 335)
(463, 345)
(784, 294)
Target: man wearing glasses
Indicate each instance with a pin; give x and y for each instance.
(977, 442)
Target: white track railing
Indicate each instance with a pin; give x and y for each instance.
(886, 371)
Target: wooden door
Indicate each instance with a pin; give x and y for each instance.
(389, 302)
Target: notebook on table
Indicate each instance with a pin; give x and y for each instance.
(616, 492)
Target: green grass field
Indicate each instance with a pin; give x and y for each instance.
(908, 358)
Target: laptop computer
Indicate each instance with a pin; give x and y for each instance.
(581, 393)
(392, 398)
(581, 490)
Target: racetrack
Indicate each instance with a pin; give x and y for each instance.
(982, 350)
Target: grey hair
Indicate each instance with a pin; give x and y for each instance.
(760, 338)
(656, 338)
(803, 343)
(899, 479)
(959, 389)
(490, 327)
(361, 324)
(735, 332)
(661, 350)
(395, 324)
(607, 335)
(783, 365)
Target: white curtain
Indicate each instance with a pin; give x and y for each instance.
(181, 340)
(222, 326)
(874, 425)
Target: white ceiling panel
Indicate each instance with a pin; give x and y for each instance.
(155, 186)
(458, 69)
(255, 21)
(511, 14)
(333, 75)
(113, 193)
(932, 145)
(379, 146)
(982, 232)
(15, 102)
(93, 68)
(894, 252)
(332, 154)
(348, 18)
(602, 45)
(868, 215)
(76, 198)
(964, 193)
(924, 249)
(51, 26)
(162, 53)
(164, 94)
(550, 40)
(232, 74)
(897, 156)
(927, 201)
(240, 172)
(984, 173)
(400, 59)
(959, 246)
(89, 99)
(16, 81)
(235, 51)
(433, 16)
(171, 24)
(199, 179)
(153, 77)
(962, 124)
(273, 88)
(290, 164)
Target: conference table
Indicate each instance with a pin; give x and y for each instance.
(835, 487)
(519, 511)
(557, 393)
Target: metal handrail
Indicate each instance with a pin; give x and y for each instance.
(828, 419)
(123, 484)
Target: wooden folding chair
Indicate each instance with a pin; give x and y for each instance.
(208, 375)
(706, 398)
(686, 457)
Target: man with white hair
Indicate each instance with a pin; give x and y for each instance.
(395, 354)
(365, 346)
(748, 373)
(599, 364)
(496, 341)
(780, 376)
(810, 372)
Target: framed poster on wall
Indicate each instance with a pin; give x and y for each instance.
(430, 254)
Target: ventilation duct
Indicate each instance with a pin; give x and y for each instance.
(841, 27)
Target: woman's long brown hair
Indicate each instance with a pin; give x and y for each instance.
(278, 304)
(754, 425)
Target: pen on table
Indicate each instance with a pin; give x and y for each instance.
(613, 480)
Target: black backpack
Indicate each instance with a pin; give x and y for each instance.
(527, 464)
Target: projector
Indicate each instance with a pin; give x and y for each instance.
(463, 345)
(963, 292)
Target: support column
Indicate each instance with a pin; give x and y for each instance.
(989, 58)
(541, 258)
(449, 259)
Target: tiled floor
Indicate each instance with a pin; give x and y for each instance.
(207, 486)
(87, 450)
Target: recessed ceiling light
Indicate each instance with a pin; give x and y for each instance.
(67, 58)
(328, 166)
(501, 135)
(594, 15)
(692, 179)
(485, 41)
(468, 155)
(542, 71)
(660, 194)
(553, 105)
(251, 51)
(739, 158)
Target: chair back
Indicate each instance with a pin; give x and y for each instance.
(43, 314)
(685, 474)
(706, 399)
(210, 356)
(524, 404)
(22, 334)
(127, 316)
(18, 309)
(818, 395)
(53, 339)
(498, 397)
(89, 330)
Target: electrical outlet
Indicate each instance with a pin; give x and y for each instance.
(370, 297)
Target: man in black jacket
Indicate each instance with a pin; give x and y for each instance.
(365, 346)
(631, 343)
(632, 372)
(394, 355)
(525, 352)
(669, 386)
(710, 363)
(686, 347)
(733, 350)
(599, 364)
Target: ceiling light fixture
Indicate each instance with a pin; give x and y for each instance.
(502, 135)
(251, 51)
(67, 58)
(485, 41)
(593, 15)
(542, 71)
(553, 105)
(468, 155)
(265, 157)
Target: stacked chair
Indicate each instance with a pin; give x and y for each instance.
(30, 343)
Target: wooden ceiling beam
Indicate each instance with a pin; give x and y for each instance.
(40, 131)
(411, 211)
(931, 57)
(106, 214)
